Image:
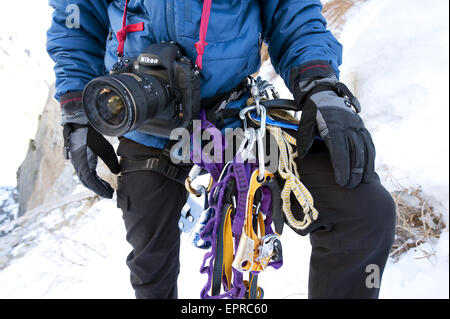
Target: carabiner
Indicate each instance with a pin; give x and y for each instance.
(242, 114)
(263, 119)
(261, 156)
(193, 174)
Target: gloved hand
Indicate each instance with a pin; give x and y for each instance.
(330, 110)
(83, 145)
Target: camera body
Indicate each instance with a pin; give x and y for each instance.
(154, 93)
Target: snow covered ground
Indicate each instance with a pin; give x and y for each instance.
(74, 254)
(396, 60)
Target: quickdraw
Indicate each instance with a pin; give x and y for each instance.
(243, 218)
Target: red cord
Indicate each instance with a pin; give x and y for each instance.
(200, 45)
(122, 33)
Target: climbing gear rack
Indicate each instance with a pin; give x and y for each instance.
(247, 205)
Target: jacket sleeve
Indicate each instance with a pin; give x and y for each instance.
(77, 49)
(296, 33)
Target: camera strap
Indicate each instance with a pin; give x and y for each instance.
(122, 33)
(200, 45)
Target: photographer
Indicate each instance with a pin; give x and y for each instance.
(357, 215)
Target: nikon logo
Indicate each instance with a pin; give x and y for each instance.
(149, 60)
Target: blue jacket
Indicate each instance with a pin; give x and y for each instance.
(294, 30)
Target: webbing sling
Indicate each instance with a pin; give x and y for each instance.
(224, 252)
(210, 233)
(287, 168)
(231, 177)
(253, 291)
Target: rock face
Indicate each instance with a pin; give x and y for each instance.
(45, 175)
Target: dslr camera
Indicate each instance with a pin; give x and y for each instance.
(155, 93)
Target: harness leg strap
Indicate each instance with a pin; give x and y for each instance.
(161, 164)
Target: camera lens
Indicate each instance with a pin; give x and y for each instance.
(111, 106)
(119, 103)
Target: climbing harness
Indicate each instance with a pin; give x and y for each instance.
(241, 221)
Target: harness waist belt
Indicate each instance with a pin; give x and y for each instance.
(155, 164)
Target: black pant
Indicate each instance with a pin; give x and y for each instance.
(353, 234)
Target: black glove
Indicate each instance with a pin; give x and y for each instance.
(83, 145)
(330, 110)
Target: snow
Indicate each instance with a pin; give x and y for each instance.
(395, 60)
(84, 259)
(396, 57)
(417, 275)
(26, 72)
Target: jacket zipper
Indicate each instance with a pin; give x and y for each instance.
(170, 19)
